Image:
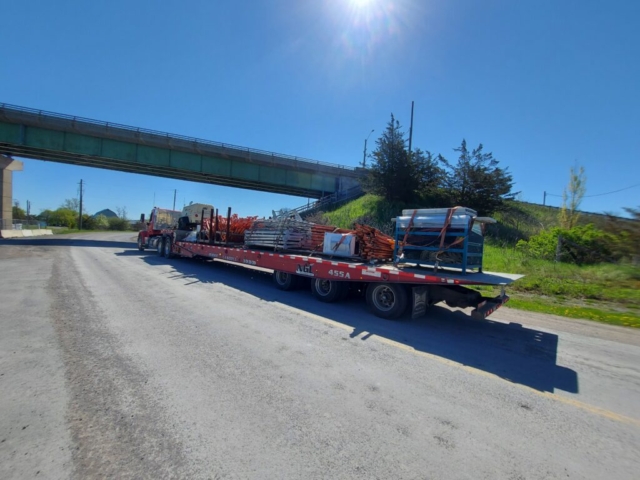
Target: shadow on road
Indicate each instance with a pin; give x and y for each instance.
(510, 351)
(67, 242)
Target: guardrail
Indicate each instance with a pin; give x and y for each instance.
(43, 113)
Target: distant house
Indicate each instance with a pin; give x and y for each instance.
(107, 213)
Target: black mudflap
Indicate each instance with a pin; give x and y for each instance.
(419, 301)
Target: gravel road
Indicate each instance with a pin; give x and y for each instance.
(116, 363)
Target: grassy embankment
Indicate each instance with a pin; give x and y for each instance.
(607, 293)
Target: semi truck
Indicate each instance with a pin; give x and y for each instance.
(391, 287)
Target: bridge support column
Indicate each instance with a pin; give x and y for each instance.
(7, 166)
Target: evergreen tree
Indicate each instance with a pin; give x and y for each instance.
(431, 177)
(393, 173)
(476, 180)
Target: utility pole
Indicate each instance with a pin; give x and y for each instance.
(174, 199)
(28, 209)
(80, 214)
(411, 130)
(544, 199)
(364, 155)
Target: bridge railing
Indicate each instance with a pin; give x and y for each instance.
(326, 201)
(12, 112)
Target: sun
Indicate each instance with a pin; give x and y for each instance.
(361, 3)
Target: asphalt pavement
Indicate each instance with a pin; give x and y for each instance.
(116, 363)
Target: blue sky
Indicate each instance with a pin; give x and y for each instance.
(544, 85)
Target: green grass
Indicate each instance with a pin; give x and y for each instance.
(603, 282)
(605, 293)
(626, 319)
(371, 209)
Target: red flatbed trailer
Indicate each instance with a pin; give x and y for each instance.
(388, 289)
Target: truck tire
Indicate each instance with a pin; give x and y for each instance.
(140, 243)
(328, 291)
(166, 249)
(160, 247)
(285, 281)
(387, 300)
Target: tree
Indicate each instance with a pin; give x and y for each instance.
(101, 222)
(577, 187)
(627, 233)
(394, 173)
(18, 213)
(431, 176)
(63, 217)
(476, 180)
(45, 216)
(72, 204)
(116, 223)
(122, 212)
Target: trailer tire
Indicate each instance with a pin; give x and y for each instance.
(285, 281)
(166, 247)
(328, 291)
(160, 247)
(387, 300)
(140, 243)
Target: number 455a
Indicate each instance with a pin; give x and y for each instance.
(339, 273)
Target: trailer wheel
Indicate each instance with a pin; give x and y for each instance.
(387, 300)
(285, 281)
(167, 243)
(140, 243)
(328, 291)
(160, 247)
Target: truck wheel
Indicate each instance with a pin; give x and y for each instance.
(160, 247)
(387, 300)
(328, 291)
(167, 243)
(284, 280)
(140, 243)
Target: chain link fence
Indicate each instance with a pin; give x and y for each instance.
(17, 224)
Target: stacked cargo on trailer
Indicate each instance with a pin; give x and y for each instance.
(336, 261)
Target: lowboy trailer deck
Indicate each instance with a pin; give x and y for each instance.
(389, 289)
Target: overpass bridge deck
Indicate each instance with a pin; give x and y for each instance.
(38, 134)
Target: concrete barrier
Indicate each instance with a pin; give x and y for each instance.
(11, 234)
(24, 233)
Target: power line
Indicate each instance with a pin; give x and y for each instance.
(599, 194)
(615, 191)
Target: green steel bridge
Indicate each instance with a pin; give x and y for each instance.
(41, 135)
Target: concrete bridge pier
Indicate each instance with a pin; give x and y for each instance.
(7, 166)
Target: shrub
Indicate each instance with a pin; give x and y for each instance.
(581, 245)
(116, 223)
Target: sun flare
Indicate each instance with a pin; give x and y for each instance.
(361, 3)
